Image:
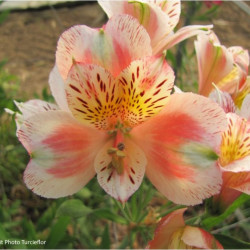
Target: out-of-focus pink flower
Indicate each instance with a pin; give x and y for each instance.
(116, 119)
(240, 96)
(234, 158)
(227, 68)
(173, 233)
(228, 104)
(159, 18)
(210, 3)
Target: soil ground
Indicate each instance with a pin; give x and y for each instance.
(28, 38)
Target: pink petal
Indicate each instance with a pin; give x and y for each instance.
(199, 238)
(239, 165)
(34, 106)
(242, 93)
(214, 63)
(235, 143)
(158, 17)
(146, 85)
(182, 34)
(245, 110)
(57, 88)
(167, 226)
(241, 58)
(93, 97)
(62, 153)
(225, 198)
(121, 186)
(224, 99)
(239, 181)
(235, 154)
(121, 41)
(30, 108)
(179, 144)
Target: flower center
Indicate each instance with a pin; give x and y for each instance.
(117, 151)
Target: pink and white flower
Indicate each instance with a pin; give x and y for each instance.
(173, 233)
(159, 18)
(117, 119)
(234, 159)
(227, 68)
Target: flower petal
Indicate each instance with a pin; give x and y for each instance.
(62, 153)
(30, 108)
(146, 85)
(113, 47)
(214, 63)
(199, 238)
(167, 226)
(241, 59)
(179, 143)
(225, 198)
(182, 34)
(34, 106)
(93, 97)
(245, 111)
(239, 181)
(57, 88)
(224, 99)
(243, 92)
(121, 185)
(235, 143)
(158, 17)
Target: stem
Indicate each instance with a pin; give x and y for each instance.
(230, 226)
(122, 210)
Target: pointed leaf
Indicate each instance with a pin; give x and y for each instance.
(57, 232)
(105, 213)
(212, 221)
(73, 208)
(105, 244)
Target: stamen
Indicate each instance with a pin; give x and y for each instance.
(121, 146)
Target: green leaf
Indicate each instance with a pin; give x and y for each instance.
(103, 213)
(231, 243)
(3, 234)
(105, 244)
(125, 242)
(4, 15)
(57, 232)
(29, 229)
(46, 218)
(212, 221)
(73, 208)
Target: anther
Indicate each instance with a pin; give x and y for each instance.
(121, 146)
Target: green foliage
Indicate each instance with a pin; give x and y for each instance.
(57, 232)
(231, 243)
(3, 15)
(212, 221)
(73, 208)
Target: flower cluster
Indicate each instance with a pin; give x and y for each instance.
(117, 116)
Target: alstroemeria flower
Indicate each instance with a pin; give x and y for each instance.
(159, 18)
(235, 149)
(235, 158)
(118, 120)
(242, 93)
(226, 101)
(173, 233)
(225, 67)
